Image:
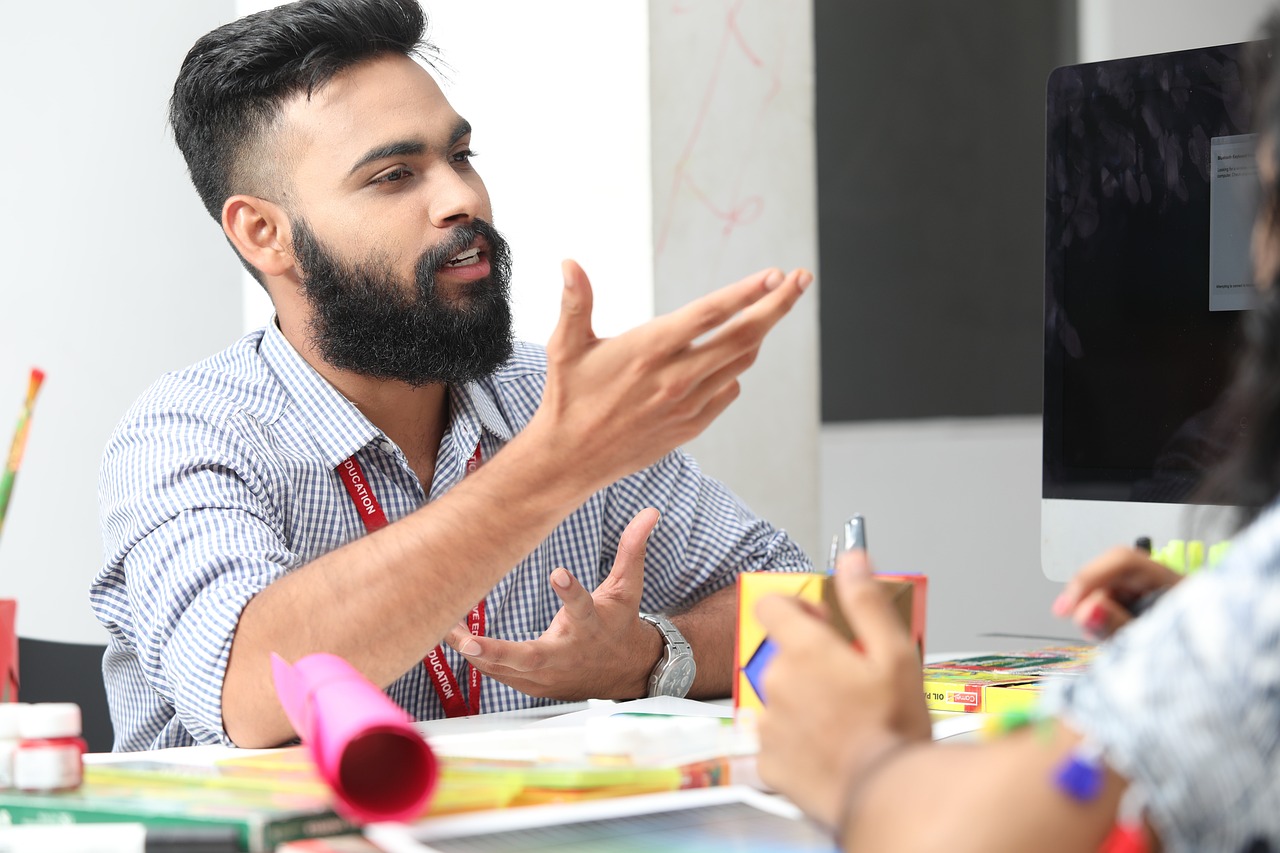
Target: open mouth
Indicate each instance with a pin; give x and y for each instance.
(464, 259)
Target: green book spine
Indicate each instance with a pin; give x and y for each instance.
(259, 831)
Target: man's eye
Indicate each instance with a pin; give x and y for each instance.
(394, 176)
(464, 156)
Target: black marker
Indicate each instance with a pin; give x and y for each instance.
(1147, 600)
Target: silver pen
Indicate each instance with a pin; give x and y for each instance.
(853, 536)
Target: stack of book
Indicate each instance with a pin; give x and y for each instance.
(273, 797)
(176, 799)
(1000, 684)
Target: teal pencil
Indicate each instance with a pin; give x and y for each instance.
(19, 442)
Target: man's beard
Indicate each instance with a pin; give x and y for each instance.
(365, 321)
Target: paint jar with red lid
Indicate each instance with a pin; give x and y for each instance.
(50, 754)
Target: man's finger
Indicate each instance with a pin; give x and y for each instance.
(573, 330)
(576, 600)
(626, 578)
(865, 606)
(505, 655)
(744, 333)
(687, 323)
(460, 639)
(715, 384)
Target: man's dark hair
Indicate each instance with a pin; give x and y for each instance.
(236, 78)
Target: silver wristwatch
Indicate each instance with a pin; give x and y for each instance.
(673, 676)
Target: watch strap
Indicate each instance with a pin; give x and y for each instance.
(677, 655)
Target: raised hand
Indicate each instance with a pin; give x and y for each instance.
(597, 647)
(1103, 594)
(612, 406)
(833, 710)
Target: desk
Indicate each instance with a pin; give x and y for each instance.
(538, 725)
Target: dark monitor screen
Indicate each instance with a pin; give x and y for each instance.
(1150, 196)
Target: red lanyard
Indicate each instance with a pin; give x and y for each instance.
(439, 673)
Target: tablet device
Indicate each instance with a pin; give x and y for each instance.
(728, 819)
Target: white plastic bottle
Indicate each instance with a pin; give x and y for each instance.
(50, 756)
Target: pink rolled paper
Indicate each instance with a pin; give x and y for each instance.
(362, 743)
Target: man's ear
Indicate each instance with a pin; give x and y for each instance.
(259, 230)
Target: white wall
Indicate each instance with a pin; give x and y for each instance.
(1115, 28)
(734, 189)
(958, 500)
(113, 272)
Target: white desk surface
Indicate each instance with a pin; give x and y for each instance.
(946, 726)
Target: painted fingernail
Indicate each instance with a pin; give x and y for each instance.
(470, 648)
(1096, 620)
(773, 279)
(560, 577)
(1061, 605)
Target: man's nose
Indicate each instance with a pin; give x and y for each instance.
(455, 199)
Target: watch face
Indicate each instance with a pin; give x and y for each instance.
(677, 678)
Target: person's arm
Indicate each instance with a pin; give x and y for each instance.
(711, 627)
(610, 407)
(845, 735)
(686, 570)
(977, 798)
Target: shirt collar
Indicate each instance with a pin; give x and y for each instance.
(336, 426)
(339, 429)
(475, 406)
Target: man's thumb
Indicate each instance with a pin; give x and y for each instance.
(573, 331)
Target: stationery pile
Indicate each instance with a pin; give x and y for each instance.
(1000, 684)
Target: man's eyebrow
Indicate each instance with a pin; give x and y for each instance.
(391, 149)
(407, 147)
(461, 129)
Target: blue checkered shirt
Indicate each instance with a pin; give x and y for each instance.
(222, 478)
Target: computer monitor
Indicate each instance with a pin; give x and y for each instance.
(1151, 193)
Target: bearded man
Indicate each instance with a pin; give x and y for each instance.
(382, 473)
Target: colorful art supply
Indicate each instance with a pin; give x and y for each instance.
(1081, 774)
(19, 444)
(364, 745)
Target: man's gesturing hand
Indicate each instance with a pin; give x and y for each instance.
(612, 406)
(596, 647)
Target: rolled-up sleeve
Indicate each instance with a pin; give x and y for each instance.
(191, 535)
